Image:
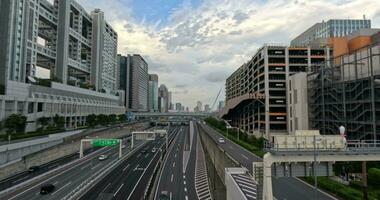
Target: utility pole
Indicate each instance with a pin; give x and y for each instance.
(315, 169)
(364, 180)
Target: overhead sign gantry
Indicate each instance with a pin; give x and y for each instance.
(96, 142)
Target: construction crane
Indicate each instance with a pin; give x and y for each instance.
(216, 99)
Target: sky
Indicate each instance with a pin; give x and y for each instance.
(194, 45)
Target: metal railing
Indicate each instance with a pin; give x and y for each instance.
(350, 146)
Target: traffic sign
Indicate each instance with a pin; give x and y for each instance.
(104, 142)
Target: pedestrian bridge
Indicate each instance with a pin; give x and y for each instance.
(169, 114)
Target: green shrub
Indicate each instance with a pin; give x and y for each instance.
(356, 184)
(374, 177)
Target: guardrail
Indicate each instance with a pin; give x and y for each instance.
(349, 146)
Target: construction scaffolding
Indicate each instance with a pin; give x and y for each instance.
(346, 91)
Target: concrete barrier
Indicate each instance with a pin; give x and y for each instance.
(66, 148)
(218, 156)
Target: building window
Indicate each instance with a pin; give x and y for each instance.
(295, 96)
(40, 107)
(30, 107)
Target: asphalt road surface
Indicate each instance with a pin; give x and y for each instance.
(176, 179)
(287, 188)
(129, 179)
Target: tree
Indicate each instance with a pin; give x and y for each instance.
(122, 118)
(112, 118)
(59, 121)
(15, 123)
(92, 120)
(44, 121)
(102, 119)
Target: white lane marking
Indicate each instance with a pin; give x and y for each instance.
(18, 180)
(138, 155)
(61, 188)
(125, 168)
(106, 187)
(118, 189)
(173, 164)
(146, 155)
(138, 165)
(185, 189)
(244, 156)
(184, 176)
(186, 197)
(55, 183)
(171, 179)
(184, 182)
(97, 165)
(175, 156)
(170, 196)
(84, 167)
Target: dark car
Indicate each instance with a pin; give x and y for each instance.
(33, 169)
(143, 151)
(47, 188)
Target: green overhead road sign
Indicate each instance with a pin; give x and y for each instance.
(104, 142)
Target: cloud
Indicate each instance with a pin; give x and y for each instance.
(199, 47)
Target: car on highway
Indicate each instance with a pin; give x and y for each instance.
(47, 188)
(33, 169)
(164, 196)
(103, 157)
(154, 150)
(143, 151)
(221, 140)
(123, 146)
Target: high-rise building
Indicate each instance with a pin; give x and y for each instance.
(207, 108)
(153, 93)
(170, 103)
(178, 107)
(329, 29)
(135, 80)
(199, 107)
(220, 106)
(76, 52)
(256, 100)
(163, 98)
(345, 90)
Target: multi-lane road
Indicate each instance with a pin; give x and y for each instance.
(177, 176)
(129, 179)
(283, 188)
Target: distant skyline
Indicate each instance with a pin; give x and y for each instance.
(194, 45)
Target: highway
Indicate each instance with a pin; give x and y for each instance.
(130, 179)
(283, 188)
(68, 179)
(177, 177)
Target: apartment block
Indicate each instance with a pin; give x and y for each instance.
(345, 91)
(256, 99)
(73, 50)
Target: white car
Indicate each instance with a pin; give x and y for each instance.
(103, 157)
(221, 140)
(123, 146)
(154, 150)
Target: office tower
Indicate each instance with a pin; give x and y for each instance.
(153, 93)
(329, 29)
(75, 50)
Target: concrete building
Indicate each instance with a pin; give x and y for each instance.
(207, 108)
(178, 107)
(256, 99)
(138, 83)
(124, 78)
(345, 90)
(170, 103)
(330, 28)
(297, 112)
(153, 93)
(163, 98)
(199, 107)
(221, 105)
(76, 51)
